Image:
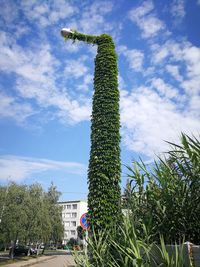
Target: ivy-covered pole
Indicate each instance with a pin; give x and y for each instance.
(104, 199)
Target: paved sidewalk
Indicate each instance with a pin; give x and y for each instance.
(58, 261)
(30, 262)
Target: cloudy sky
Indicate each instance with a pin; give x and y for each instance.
(46, 84)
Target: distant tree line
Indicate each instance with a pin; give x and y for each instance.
(29, 215)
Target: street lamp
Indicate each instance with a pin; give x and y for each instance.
(65, 32)
(104, 170)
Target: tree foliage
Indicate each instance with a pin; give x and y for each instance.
(29, 215)
(55, 213)
(167, 198)
(104, 164)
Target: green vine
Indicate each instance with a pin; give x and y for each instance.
(90, 39)
(104, 164)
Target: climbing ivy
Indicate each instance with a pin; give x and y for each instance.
(104, 164)
(90, 39)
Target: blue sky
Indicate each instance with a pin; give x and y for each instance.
(46, 84)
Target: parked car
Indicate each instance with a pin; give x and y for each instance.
(64, 247)
(53, 248)
(26, 250)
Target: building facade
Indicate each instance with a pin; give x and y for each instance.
(71, 214)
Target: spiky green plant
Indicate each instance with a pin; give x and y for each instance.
(126, 249)
(104, 164)
(166, 197)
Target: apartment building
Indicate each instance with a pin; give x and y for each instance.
(71, 214)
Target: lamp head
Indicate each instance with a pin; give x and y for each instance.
(65, 32)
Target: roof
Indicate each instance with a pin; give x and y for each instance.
(71, 201)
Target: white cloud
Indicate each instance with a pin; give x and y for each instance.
(87, 83)
(164, 90)
(68, 48)
(191, 55)
(141, 11)
(42, 79)
(184, 54)
(18, 168)
(23, 62)
(46, 14)
(178, 9)
(121, 82)
(10, 11)
(194, 105)
(92, 20)
(36, 79)
(75, 68)
(151, 26)
(174, 71)
(149, 115)
(146, 20)
(160, 53)
(148, 119)
(134, 57)
(67, 109)
(12, 108)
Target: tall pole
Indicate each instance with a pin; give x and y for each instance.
(104, 198)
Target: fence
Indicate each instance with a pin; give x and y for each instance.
(190, 253)
(196, 255)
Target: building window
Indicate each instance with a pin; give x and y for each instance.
(74, 214)
(68, 207)
(67, 224)
(67, 215)
(74, 206)
(73, 232)
(66, 234)
(73, 223)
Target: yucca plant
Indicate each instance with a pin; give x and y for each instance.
(97, 251)
(129, 250)
(166, 195)
(125, 248)
(169, 255)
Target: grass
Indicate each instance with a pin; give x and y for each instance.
(15, 260)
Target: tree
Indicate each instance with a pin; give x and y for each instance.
(38, 226)
(104, 164)
(55, 214)
(14, 216)
(29, 215)
(3, 198)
